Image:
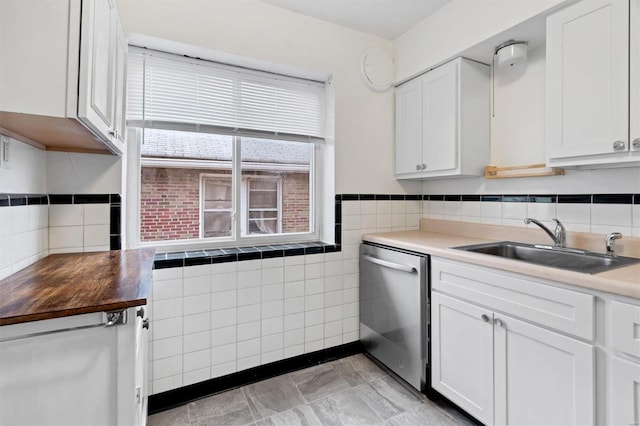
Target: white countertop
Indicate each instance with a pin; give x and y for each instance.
(624, 281)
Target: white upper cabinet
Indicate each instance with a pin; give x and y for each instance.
(511, 350)
(119, 118)
(409, 127)
(588, 84)
(634, 68)
(97, 66)
(442, 122)
(62, 68)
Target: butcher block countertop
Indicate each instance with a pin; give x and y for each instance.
(61, 285)
(437, 237)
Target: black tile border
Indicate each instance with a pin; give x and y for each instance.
(236, 254)
(180, 396)
(574, 198)
(543, 198)
(612, 198)
(113, 200)
(514, 198)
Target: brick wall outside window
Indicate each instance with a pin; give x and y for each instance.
(170, 203)
(295, 203)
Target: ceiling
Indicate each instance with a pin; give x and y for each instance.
(384, 18)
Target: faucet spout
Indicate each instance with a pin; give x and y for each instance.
(559, 235)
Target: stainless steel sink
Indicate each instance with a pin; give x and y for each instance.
(555, 257)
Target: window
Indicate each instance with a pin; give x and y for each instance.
(225, 154)
(263, 213)
(216, 206)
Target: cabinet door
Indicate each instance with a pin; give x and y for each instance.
(120, 84)
(65, 378)
(634, 125)
(541, 377)
(409, 127)
(97, 60)
(588, 79)
(625, 392)
(440, 115)
(462, 355)
(141, 360)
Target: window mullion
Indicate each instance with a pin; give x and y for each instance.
(236, 179)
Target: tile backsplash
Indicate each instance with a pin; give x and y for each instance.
(84, 222)
(32, 226)
(214, 319)
(24, 221)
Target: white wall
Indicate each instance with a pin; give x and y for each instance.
(518, 113)
(457, 26)
(23, 229)
(73, 173)
(517, 122)
(27, 170)
(364, 131)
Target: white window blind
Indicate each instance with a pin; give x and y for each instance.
(171, 92)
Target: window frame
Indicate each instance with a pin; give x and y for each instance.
(203, 178)
(323, 178)
(246, 199)
(134, 168)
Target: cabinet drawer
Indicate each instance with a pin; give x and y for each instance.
(524, 297)
(625, 327)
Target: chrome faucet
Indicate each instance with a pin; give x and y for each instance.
(609, 239)
(559, 235)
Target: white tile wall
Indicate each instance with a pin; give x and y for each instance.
(23, 237)
(594, 218)
(80, 228)
(212, 320)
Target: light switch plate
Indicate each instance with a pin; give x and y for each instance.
(5, 152)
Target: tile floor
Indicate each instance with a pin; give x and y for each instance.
(348, 391)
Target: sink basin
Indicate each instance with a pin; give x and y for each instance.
(564, 258)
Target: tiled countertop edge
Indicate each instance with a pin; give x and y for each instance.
(235, 254)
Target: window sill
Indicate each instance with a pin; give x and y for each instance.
(235, 254)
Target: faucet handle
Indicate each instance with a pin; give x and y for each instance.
(560, 233)
(609, 239)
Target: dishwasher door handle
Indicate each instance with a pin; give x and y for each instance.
(387, 264)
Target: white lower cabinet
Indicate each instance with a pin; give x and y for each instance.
(505, 371)
(625, 395)
(462, 355)
(504, 351)
(624, 400)
(73, 371)
(541, 377)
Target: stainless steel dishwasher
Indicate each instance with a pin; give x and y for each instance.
(394, 310)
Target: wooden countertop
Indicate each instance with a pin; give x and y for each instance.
(437, 237)
(69, 284)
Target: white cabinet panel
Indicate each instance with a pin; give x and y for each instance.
(634, 68)
(74, 371)
(442, 122)
(409, 127)
(97, 59)
(541, 377)
(65, 378)
(59, 81)
(564, 310)
(625, 395)
(588, 83)
(625, 328)
(120, 86)
(462, 355)
(440, 114)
